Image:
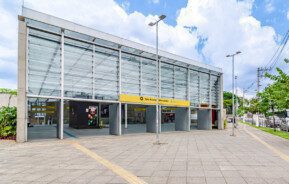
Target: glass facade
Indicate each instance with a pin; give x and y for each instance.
(98, 69)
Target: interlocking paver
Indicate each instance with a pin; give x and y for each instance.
(187, 157)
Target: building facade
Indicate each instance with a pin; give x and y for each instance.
(62, 65)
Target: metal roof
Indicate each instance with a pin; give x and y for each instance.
(68, 25)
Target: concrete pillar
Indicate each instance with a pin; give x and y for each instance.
(205, 119)
(115, 119)
(182, 119)
(21, 129)
(221, 114)
(151, 113)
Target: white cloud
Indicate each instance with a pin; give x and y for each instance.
(269, 7)
(125, 5)
(229, 31)
(228, 26)
(132, 26)
(8, 47)
(288, 15)
(154, 1)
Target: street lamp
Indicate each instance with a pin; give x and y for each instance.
(237, 102)
(162, 17)
(233, 88)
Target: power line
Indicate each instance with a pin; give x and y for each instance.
(272, 62)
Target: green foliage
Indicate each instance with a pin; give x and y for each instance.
(8, 91)
(276, 95)
(227, 98)
(8, 121)
(278, 133)
(225, 123)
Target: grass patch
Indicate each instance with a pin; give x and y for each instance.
(278, 133)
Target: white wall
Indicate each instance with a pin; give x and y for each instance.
(4, 100)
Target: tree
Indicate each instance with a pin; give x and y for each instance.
(8, 91)
(276, 95)
(227, 98)
(279, 89)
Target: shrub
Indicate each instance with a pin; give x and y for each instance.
(8, 91)
(8, 121)
(225, 123)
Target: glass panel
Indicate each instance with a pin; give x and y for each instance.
(130, 74)
(43, 117)
(167, 80)
(78, 67)
(180, 83)
(44, 26)
(204, 88)
(149, 78)
(215, 90)
(106, 74)
(194, 88)
(44, 64)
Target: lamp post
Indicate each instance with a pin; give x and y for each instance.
(237, 102)
(233, 90)
(156, 23)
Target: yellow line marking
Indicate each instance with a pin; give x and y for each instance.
(128, 176)
(276, 151)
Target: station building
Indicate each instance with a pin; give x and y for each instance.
(77, 81)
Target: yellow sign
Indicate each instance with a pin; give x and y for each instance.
(138, 99)
(174, 102)
(146, 100)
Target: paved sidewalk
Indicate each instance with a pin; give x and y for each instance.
(186, 157)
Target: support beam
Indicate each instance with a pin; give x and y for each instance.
(125, 115)
(204, 119)
(221, 115)
(21, 129)
(151, 113)
(115, 119)
(93, 73)
(61, 117)
(189, 99)
(210, 91)
(182, 116)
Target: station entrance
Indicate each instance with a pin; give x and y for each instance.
(133, 118)
(206, 119)
(85, 119)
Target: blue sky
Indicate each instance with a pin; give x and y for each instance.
(203, 30)
(270, 12)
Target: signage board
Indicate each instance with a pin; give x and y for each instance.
(146, 100)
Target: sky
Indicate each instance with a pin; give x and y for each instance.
(202, 30)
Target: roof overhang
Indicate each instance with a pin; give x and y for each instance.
(64, 24)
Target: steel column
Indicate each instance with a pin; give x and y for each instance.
(61, 122)
(93, 73)
(119, 85)
(125, 115)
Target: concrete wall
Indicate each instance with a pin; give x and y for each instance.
(4, 100)
(205, 119)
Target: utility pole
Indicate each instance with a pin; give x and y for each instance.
(260, 71)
